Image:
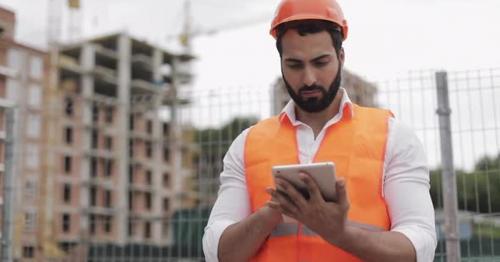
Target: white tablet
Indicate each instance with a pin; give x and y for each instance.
(323, 173)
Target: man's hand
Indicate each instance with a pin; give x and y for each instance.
(327, 219)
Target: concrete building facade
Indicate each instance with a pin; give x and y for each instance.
(95, 163)
(23, 80)
(113, 167)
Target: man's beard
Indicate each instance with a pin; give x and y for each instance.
(315, 104)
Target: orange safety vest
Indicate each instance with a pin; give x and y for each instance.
(357, 147)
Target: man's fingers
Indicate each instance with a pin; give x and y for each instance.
(274, 205)
(283, 199)
(294, 196)
(342, 199)
(312, 186)
(277, 206)
(271, 192)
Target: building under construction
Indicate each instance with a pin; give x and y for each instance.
(95, 164)
(23, 81)
(114, 175)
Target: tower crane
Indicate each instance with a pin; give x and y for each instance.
(188, 32)
(56, 10)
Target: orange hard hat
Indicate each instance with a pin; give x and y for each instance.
(292, 10)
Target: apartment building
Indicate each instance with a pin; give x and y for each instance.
(6, 26)
(115, 165)
(5, 106)
(22, 84)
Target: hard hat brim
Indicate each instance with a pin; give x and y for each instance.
(303, 17)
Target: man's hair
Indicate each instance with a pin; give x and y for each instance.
(305, 27)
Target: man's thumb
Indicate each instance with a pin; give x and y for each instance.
(341, 192)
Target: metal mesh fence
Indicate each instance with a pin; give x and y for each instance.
(476, 150)
(215, 117)
(222, 114)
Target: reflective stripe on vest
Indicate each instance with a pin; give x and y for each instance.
(290, 229)
(357, 147)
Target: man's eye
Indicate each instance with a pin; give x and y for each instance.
(295, 66)
(320, 64)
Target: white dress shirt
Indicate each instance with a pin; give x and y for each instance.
(405, 187)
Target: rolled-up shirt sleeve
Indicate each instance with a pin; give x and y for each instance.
(406, 190)
(232, 204)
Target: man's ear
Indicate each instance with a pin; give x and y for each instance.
(341, 56)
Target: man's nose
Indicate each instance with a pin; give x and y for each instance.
(309, 77)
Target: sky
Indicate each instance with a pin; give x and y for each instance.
(387, 39)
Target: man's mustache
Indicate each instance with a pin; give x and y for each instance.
(311, 88)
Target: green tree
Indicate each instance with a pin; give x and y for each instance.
(478, 191)
(213, 144)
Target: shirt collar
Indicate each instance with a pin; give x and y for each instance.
(289, 109)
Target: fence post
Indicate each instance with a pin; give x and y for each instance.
(8, 194)
(449, 184)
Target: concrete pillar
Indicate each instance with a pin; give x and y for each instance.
(122, 126)
(87, 62)
(158, 148)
